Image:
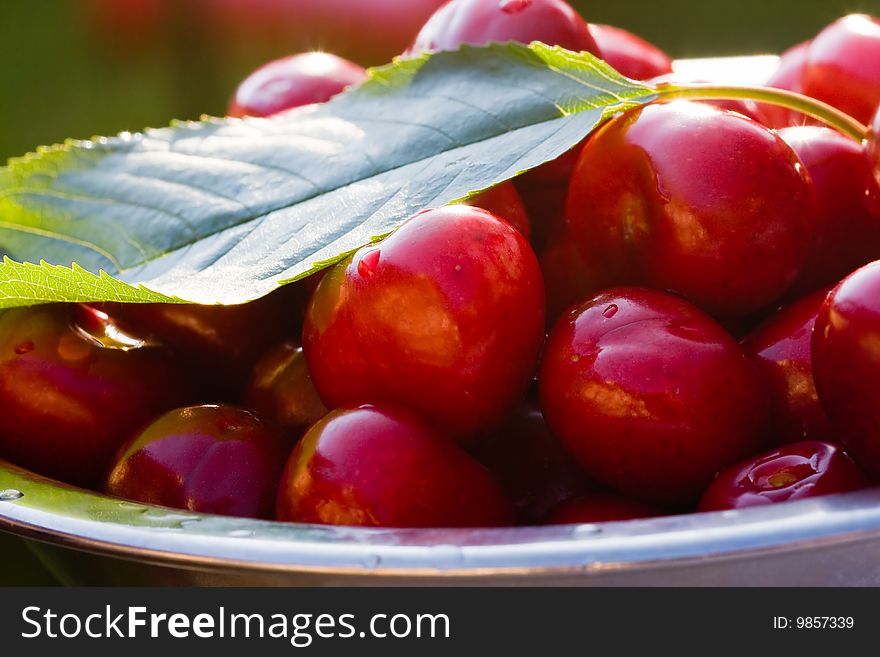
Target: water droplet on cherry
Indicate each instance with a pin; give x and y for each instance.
(368, 263)
(514, 6)
(610, 311)
(95, 327)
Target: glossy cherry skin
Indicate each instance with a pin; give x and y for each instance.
(788, 76)
(210, 459)
(650, 395)
(294, 81)
(281, 390)
(444, 317)
(505, 202)
(841, 66)
(685, 197)
(792, 472)
(782, 349)
(219, 343)
(599, 507)
(846, 364)
(479, 22)
(68, 402)
(630, 54)
(847, 235)
(380, 466)
(531, 464)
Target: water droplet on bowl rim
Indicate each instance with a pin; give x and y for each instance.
(582, 531)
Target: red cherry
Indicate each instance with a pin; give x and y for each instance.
(599, 507)
(505, 202)
(281, 390)
(479, 22)
(650, 395)
(383, 467)
(629, 54)
(847, 236)
(531, 464)
(781, 347)
(220, 343)
(841, 66)
(444, 317)
(303, 79)
(658, 198)
(69, 401)
(210, 459)
(846, 364)
(788, 76)
(792, 472)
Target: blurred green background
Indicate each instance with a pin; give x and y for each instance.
(75, 68)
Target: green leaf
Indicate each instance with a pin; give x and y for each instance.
(223, 211)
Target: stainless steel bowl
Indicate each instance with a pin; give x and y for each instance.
(86, 538)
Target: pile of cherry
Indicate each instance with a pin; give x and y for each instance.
(682, 313)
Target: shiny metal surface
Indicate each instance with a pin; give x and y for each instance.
(86, 538)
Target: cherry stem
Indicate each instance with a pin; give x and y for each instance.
(816, 109)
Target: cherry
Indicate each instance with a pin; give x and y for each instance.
(444, 317)
(531, 464)
(479, 22)
(847, 236)
(221, 343)
(505, 202)
(303, 79)
(846, 364)
(792, 472)
(650, 394)
(841, 66)
(381, 466)
(629, 54)
(781, 347)
(71, 395)
(686, 197)
(211, 459)
(788, 76)
(281, 390)
(599, 507)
